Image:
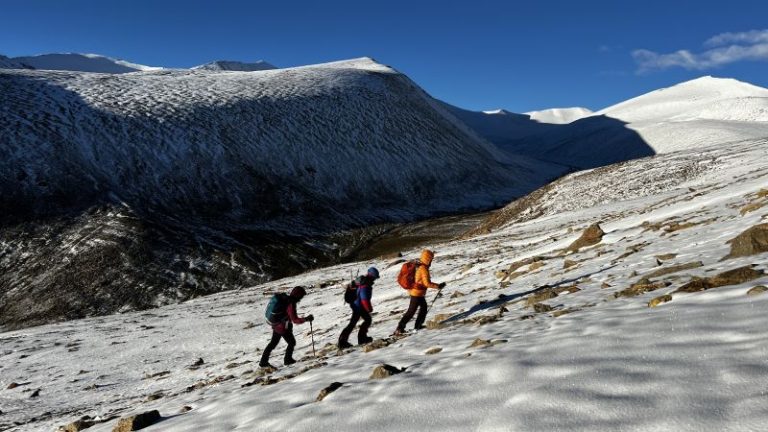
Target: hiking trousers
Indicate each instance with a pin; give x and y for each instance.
(289, 339)
(362, 335)
(419, 303)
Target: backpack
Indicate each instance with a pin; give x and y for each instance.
(407, 276)
(351, 291)
(277, 308)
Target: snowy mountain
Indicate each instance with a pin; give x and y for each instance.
(656, 324)
(74, 62)
(226, 65)
(559, 115)
(131, 190)
(693, 114)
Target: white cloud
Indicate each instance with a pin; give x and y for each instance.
(723, 49)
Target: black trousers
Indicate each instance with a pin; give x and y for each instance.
(289, 339)
(362, 335)
(419, 303)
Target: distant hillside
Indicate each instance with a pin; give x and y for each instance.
(130, 190)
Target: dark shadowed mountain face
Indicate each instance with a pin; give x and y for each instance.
(126, 191)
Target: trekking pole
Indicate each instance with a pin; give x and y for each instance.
(433, 300)
(312, 335)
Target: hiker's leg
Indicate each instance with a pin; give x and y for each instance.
(362, 335)
(409, 313)
(291, 341)
(344, 337)
(422, 313)
(270, 346)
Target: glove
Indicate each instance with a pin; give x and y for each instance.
(309, 318)
(441, 285)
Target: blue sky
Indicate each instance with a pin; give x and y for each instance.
(476, 54)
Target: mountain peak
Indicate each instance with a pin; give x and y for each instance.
(231, 65)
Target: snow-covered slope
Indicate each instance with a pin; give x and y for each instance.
(583, 355)
(227, 65)
(501, 126)
(76, 62)
(559, 115)
(693, 114)
(180, 174)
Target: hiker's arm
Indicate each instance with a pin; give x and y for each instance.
(365, 299)
(423, 279)
(292, 314)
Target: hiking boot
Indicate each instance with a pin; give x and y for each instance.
(418, 327)
(266, 365)
(398, 332)
(365, 340)
(289, 361)
(344, 345)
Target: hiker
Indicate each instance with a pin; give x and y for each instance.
(421, 283)
(361, 308)
(281, 315)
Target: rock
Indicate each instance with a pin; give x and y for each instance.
(541, 307)
(539, 296)
(750, 242)
(659, 300)
(437, 321)
(77, 425)
(640, 288)
(730, 277)
(35, 393)
(527, 317)
(674, 269)
(385, 371)
(12, 386)
(378, 343)
(457, 294)
(535, 266)
(501, 274)
(328, 390)
(136, 422)
(591, 236)
(434, 350)
(480, 343)
(155, 396)
(184, 409)
(757, 290)
(569, 263)
(570, 288)
(562, 312)
(605, 285)
(665, 257)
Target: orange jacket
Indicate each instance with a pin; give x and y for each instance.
(422, 280)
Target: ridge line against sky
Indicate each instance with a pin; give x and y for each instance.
(477, 55)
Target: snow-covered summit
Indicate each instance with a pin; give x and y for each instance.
(559, 115)
(76, 62)
(702, 98)
(229, 65)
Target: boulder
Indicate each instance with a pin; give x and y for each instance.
(730, 277)
(591, 236)
(385, 371)
(78, 425)
(750, 242)
(137, 422)
(659, 300)
(480, 343)
(328, 390)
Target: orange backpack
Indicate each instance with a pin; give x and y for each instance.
(407, 276)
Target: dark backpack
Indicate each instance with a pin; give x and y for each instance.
(277, 308)
(351, 291)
